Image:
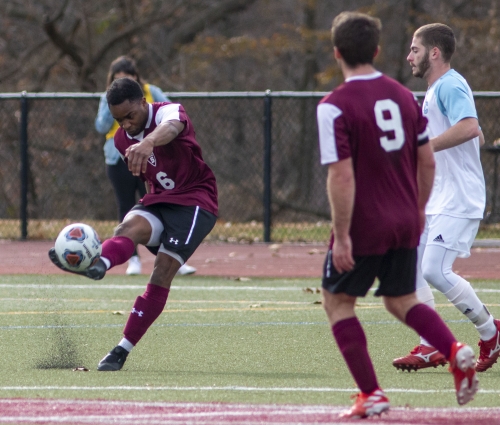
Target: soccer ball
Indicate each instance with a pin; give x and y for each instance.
(78, 246)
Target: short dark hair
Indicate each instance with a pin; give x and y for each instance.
(356, 36)
(440, 36)
(123, 89)
(123, 64)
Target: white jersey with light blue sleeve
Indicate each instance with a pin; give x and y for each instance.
(459, 189)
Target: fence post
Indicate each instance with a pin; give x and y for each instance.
(23, 137)
(267, 165)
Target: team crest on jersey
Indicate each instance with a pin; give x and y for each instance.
(426, 107)
(152, 159)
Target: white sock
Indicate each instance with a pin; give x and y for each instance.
(106, 262)
(488, 330)
(125, 343)
(463, 297)
(425, 296)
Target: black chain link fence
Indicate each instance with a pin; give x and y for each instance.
(62, 178)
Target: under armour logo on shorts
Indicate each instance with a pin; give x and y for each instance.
(174, 241)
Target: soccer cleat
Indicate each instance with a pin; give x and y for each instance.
(186, 269)
(96, 272)
(134, 266)
(114, 360)
(420, 357)
(489, 351)
(367, 405)
(462, 367)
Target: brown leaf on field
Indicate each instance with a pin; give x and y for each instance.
(318, 291)
(243, 279)
(255, 305)
(318, 302)
(118, 313)
(308, 290)
(275, 247)
(80, 369)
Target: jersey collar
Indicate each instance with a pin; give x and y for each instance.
(364, 77)
(140, 136)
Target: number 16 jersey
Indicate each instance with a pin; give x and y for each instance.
(378, 123)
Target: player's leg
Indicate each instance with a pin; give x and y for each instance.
(184, 230)
(423, 355)
(437, 264)
(397, 282)
(461, 294)
(339, 297)
(425, 321)
(125, 186)
(136, 186)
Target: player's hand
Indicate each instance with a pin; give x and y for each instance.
(343, 260)
(138, 155)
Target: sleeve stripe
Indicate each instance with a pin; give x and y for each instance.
(423, 137)
(168, 112)
(326, 114)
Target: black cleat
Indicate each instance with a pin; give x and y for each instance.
(96, 272)
(114, 360)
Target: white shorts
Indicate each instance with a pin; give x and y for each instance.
(453, 233)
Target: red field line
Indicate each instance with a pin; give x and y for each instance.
(75, 412)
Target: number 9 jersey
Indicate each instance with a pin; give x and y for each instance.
(378, 123)
(176, 172)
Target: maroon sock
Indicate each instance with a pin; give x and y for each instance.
(117, 250)
(427, 323)
(146, 310)
(351, 341)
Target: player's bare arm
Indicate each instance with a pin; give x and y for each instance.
(139, 153)
(461, 132)
(425, 178)
(341, 190)
(481, 138)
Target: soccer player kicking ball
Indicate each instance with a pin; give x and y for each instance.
(158, 143)
(374, 140)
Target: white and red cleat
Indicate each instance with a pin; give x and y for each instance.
(462, 366)
(367, 405)
(420, 357)
(489, 351)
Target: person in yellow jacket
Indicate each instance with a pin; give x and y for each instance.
(125, 185)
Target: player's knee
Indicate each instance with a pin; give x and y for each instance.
(135, 228)
(399, 306)
(437, 276)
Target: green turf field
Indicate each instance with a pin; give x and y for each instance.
(256, 341)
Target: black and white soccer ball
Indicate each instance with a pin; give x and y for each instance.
(78, 246)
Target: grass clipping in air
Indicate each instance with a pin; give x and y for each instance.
(60, 351)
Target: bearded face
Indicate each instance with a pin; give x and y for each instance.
(418, 58)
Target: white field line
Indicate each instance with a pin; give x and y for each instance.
(188, 288)
(195, 288)
(226, 388)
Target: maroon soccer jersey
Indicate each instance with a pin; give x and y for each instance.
(176, 172)
(378, 123)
